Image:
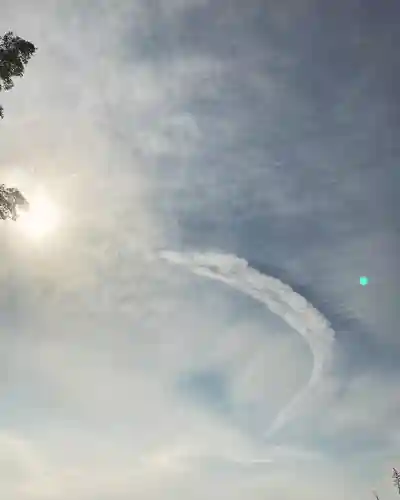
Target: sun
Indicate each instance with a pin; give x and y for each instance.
(42, 218)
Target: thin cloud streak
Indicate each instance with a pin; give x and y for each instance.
(280, 299)
(196, 125)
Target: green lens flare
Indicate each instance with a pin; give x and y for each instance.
(364, 280)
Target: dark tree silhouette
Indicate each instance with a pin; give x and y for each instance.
(396, 479)
(396, 482)
(10, 200)
(15, 53)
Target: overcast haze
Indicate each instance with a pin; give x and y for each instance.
(140, 358)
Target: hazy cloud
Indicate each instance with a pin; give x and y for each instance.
(252, 129)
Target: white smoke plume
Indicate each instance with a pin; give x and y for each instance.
(280, 299)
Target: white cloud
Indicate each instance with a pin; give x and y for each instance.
(97, 334)
(279, 298)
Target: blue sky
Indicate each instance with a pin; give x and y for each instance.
(206, 132)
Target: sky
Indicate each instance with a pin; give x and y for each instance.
(214, 178)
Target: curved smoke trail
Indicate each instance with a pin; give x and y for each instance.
(279, 298)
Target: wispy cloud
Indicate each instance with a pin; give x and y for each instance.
(279, 298)
(219, 133)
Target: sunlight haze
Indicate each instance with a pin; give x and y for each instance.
(181, 316)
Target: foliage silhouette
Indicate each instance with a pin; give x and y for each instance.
(15, 53)
(10, 200)
(396, 482)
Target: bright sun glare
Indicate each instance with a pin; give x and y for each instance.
(42, 218)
